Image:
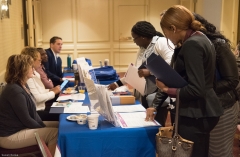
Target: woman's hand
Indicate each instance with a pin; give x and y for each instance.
(150, 114)
(161, 86)
(143, 72)
(56, 89)
(112, 86)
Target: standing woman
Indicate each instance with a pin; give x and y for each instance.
(224, 86)
(146, 37)
(18, 116)
(199, 108)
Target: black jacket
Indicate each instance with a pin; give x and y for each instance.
(227, 77)
(53, 70)
(196, 64)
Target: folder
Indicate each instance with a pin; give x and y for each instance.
(163, 72)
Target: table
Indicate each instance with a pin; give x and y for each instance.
(107, 141)
(77, 140)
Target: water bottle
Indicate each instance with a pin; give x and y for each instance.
(69, 61)
(106, 62)
(100, 62)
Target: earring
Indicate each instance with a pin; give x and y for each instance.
(174, 31)
(143, 38)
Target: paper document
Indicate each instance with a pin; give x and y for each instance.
(66, 104)
(67, 78)
(76, 109)
(134, 80)
(134, 120)
(78, 96)
(163, 72)
(129, 108)
(100, 101)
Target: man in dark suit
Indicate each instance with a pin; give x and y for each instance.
(54, 65)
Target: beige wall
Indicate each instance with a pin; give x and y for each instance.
(98, 29)
(11, 39)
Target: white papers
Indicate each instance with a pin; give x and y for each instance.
(134, 120)
(100, 101)
(129, 108)
(76, 109)
(67, 78)
(92, 94)
(66, 104)
(105, 108)
(134, 80)
(72, 107)
(78, 96)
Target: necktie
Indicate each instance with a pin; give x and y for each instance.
(56, 59)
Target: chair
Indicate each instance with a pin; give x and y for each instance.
(42, 146)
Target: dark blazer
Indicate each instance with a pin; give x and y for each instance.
(195, 62)
(53, 70)
(17, 111)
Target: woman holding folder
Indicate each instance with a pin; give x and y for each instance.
(199, 108)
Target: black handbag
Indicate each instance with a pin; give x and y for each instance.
(169, 145)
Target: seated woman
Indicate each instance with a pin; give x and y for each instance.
(47, 82)
(37, 88)
(18, 117)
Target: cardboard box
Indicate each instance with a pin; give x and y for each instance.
(122, 99)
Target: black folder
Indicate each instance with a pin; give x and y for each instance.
(163, 72)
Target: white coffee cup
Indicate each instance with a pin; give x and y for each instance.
(74, 66)
(92, 121)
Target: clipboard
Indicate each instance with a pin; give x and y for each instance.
(163, 72)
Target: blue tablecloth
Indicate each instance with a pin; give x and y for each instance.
(107, 141)
(77, 140)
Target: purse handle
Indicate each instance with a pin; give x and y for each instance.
(177, 114)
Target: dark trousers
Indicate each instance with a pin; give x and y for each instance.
(197, 130)
(144, 101)
(161, 116)
(45, 115)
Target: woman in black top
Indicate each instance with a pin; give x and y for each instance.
(199, 108)
(18, 117)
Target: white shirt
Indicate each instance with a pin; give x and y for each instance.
(39, 92)
(164, 48)
(158, 45)
(55, 55)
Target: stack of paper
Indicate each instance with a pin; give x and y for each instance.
(73, 97)
(134, 120)
(72, 107)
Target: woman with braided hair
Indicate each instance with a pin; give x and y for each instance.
(149, 41)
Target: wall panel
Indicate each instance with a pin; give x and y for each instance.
(101, 55)
(93, 20)
(11, 39)
(57, 20)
